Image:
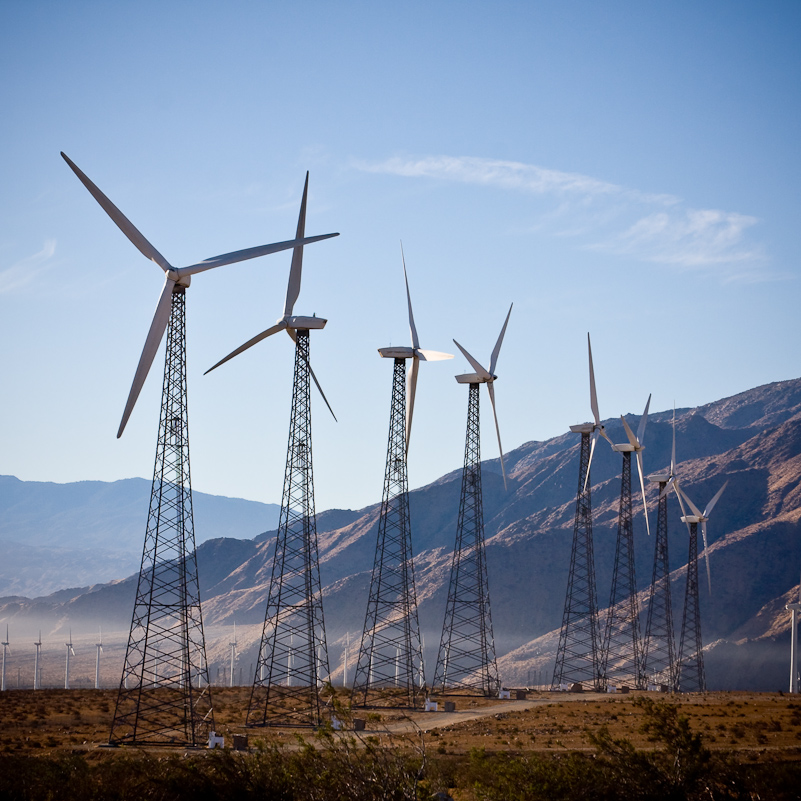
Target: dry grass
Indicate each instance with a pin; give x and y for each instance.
(760, 726)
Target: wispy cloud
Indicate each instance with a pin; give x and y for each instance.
(605, 216)
(26, 270)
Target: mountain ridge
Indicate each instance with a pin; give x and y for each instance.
(752, 439)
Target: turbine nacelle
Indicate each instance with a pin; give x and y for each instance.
(584, 428)
(659, 478)
(304, 323)
(627, 447)
(474, 378)
(178, 278)
(396, 353)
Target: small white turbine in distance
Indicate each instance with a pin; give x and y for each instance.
(234, 656)
(174, 276)
(702, 518)
(70, 651)
(6, 649)
(36, 671)
(99, 646)
(635, 445)
(488, 377)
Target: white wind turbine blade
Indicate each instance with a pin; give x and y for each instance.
(706, 556)
(412, 328)
(497, 349)
(294, 337)
(673, 452)
(431, 355)
(273, 329)
(491, 390)
(250, 253)
(320, 390)
(629, 433)
(668, 487)
(694, 508)
(643, 423)
(589, 462)
(473, 363)
(593, 394)
(152, 342)
(293, 286)
(679, 493)
(411, 391)
(711, 505)
(642, 487)
(121, 221)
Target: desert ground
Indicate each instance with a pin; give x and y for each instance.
(757, 726)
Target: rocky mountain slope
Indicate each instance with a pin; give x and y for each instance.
(752, 439)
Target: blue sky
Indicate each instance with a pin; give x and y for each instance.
(626, 169)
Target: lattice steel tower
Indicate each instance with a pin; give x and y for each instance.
(389, 670)
(659, 657)
(164, 694)
(293, 650)
(621, 648)
(691, 655)
(390, 667)
(578, 657)
(466, 658)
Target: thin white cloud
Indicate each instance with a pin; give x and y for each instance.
(26, 270)
(691, 238)
(608, 217)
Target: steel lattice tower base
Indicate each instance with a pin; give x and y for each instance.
(466, 658)
(621, 650)
(691, 656)
(293, 656)
(577, 658)
(390, 667)
(164, 695)
(659, 658)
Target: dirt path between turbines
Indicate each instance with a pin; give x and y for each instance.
(427, 721)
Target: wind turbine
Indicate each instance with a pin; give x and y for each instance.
(578, 657)
(466, 657)
(294, 603)
(691, 658)
(659, 657)
(391, 624)
(167, 616)
(99, 647)
(70, 650)
(621, 659)
(36, 676)
(6, 649)
(234, 656)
